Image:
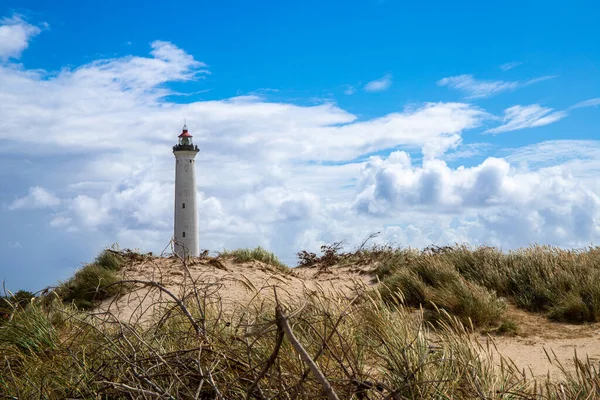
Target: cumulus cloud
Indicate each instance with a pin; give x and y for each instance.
(478, 88)
(38, 197)
(520, 117)
(505, 205)
(15, 34)
(394, 182)
(276, 174)
(379, 85)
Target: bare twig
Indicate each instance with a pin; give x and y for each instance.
(270, 362)
(127, 388)
(364, 243)
(177, 300)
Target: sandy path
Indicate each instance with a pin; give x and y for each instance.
(558, 339)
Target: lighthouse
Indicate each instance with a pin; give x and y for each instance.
(185, 235)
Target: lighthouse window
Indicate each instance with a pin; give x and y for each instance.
(183, 205)
(183, 234)
(190, 161)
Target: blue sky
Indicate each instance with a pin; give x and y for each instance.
(432, 122)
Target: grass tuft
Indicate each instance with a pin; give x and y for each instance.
(92, 283)
(564, 284)
(30, 332)
(258, 254)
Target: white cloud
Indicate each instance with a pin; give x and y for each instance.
(275, 174)
(554, 152)
(587, 103)
(520, 117)
(539, 79)
(350, 90)
(510, 65)
(469, 150)
(501, 205)
(475, 88)
(478, 88)
(60, 222)
(15, 34)
(38, 197)
(394, 182)
(92, 100)
(379, 85)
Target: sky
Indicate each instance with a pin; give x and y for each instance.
(317, 121)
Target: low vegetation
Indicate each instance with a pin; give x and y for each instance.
(413, 338)
(13, 302)
(354, 348)
(94, 282)
(475, 283)
(258, 254)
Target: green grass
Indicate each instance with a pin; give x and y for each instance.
(564, 284)
(30, 332)
(92, 283)
(258, 254)
(434, 283)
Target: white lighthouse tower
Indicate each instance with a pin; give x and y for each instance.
(186, 212)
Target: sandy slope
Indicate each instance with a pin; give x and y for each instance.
(235, 283)
(239, 283)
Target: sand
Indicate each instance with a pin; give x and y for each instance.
(237, 284)
(539, 336)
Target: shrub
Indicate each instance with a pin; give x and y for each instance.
(330, 255)
(571, 308)
(468, 301)
(109, 260)
(18, 300)
(387, 259)
(507, 328)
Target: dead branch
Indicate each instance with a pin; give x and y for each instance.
(283, 324)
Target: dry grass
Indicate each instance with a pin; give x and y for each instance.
(360, 347)
(564, 284)
(371, 346)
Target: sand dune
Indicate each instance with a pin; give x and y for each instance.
(238, 284)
